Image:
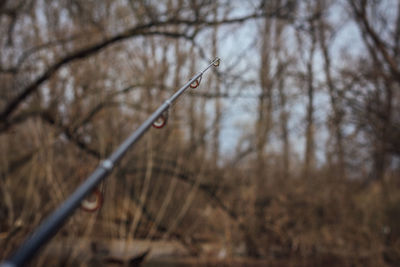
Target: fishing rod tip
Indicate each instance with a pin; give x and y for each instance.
(216, 61)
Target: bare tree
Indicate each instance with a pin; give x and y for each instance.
(382, 74)
(326, 35)
(309, 153)
(217, 104)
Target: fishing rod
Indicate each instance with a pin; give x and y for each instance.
(50, 226)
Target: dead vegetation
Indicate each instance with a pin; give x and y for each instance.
(311, 176)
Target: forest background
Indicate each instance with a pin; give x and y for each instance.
(289, 150)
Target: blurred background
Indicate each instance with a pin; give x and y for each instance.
(288, 154)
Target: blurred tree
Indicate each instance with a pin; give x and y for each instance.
(326, 34)
(379, 73)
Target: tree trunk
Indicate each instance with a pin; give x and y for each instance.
(217, 103)
(334, 100)
(309, 154)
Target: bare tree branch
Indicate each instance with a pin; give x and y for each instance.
(140, 30)
(361, 18)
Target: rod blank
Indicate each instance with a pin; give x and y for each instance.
(49, 227)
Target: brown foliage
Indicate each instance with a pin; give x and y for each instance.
(77, 77)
